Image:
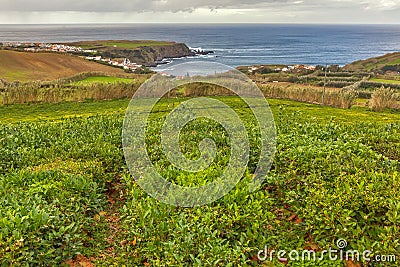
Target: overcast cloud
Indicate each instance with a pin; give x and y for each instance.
(291, 11)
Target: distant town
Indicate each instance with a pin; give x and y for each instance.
(88, 54)
(290, 68)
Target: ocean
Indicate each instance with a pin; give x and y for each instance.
(236, 44)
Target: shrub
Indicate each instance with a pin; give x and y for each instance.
(348, 97)
(383, 98)
(349, 94)
(342, 98)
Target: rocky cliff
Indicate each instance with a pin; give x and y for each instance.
(149, 55)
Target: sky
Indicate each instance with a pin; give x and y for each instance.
(199, 11)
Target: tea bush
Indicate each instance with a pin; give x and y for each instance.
(330, 179)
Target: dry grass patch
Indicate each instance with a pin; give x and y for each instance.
(24, 66)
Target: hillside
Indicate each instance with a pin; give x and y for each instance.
(64, 181)
(388, 62)
(141, 52)
(24, 66)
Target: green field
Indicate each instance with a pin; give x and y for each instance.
(67, 196)
(59, 111)
(395, 62)
(102, 79)
(123, 44)
(375, 63)
(384, 81)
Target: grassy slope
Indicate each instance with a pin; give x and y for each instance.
(102, 79)
(19, 113)
(24, 66)
(374, 63)
(312, 151)
(384, 81)
(49, 111)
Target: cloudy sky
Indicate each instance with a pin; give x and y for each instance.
(209, 11)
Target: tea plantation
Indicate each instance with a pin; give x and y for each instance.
(67, 197)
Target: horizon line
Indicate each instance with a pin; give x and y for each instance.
(205, 23)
